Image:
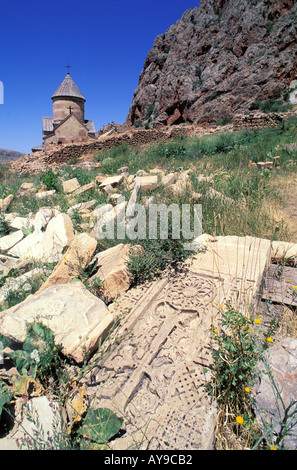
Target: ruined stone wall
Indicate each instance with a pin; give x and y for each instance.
(135, 138)
(256, 120)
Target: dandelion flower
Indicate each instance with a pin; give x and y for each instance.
(239, 419)
(294, 287)
(216, 330)
(273, 448)
(257, 321)
(221, 306)
(269, 339)
(247, 389)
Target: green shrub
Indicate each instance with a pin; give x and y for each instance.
(39, 354)
(225, 120)
(50, 180)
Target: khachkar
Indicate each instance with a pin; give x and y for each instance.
(155, 374)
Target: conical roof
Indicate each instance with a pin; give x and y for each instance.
(68, 88)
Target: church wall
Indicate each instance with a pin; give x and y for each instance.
(61, 109)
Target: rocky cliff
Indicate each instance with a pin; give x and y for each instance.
(221, 58)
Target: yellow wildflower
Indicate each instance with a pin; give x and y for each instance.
(273, 448)
(269, 339)
(247, 389)
(257, 321)
(239, 419)
(216, 330)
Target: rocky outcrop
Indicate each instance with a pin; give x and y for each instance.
(217, 60)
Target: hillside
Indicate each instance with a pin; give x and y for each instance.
(219, 59)
(9, 155)
(101, 326)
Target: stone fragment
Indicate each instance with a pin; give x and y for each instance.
(21, 222)
(8, 241)
(82, 206)
(78, 255)
(123, 169)
(148, 183)
(27, 187)
(264, 165)
(101, 210)
(4, 203)
(85, 188)
(112, 181)
(6, 264)
(44, 194)
(59, 234)
(37, 410)
(169, 179)
(240, 261)
(70, 185)
(213, 194)
(113, 270)
(42, 217)
(276, 388)
(108, 219)
(133, 198)
(26, 247)
(77, 318)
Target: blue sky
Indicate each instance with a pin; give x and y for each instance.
(105, 42)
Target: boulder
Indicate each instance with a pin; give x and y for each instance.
(70, 185)
(47, 246)
(42, 217)
(21, 222)
(26, 188)
(78, 255)
(113, 270)
(26, 247)
(8, 241)
(77, 318)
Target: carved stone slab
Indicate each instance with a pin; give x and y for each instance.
(155, 374)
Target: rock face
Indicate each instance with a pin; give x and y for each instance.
(217, 60)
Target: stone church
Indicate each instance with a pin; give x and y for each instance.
(68, 124)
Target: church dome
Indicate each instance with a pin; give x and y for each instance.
(68, 89)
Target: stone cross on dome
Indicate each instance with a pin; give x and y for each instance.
(68, 67)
